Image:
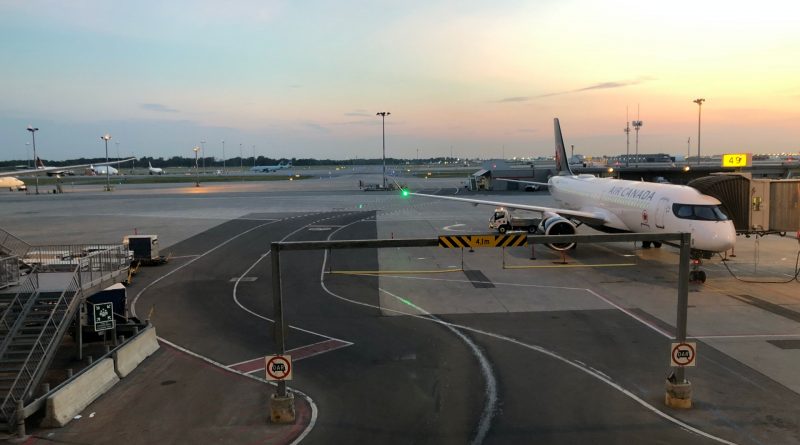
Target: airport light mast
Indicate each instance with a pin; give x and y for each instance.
(203, 145)
(196, 172)
(637, 124)
(33, 135)
(627, 143)
(28, 153)
(699, 103)
(106, 137)
(383, 115)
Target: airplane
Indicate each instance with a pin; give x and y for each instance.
(154, 170)
(13, 184)
(100, 170)
(616, 206)
(271, 168)
(10, 178)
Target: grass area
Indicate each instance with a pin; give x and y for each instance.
(84, 180)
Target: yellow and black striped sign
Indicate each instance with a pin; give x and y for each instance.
(460, 241)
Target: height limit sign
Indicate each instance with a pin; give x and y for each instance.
(278, 367)
(683, 354)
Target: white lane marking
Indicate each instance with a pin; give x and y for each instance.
(267, 253)
(583, 368)
(451, 229)
(182, 256)
(314, 411)
(139, 294)
(490, 408)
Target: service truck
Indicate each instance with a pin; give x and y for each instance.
(502, 220)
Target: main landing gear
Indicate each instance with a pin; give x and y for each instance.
(647, 244)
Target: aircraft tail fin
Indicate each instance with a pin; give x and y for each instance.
(39, 163)
(149, 164)
(562, 162)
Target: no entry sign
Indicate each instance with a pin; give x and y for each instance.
(278, 367)
(683, 354)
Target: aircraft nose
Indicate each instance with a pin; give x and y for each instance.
(721, 238)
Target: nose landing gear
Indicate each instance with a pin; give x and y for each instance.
(696, 275)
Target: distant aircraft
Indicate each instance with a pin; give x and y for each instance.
(153, 170)
(100, 170)
(10, 180)
(12, 183)
(615, 205)
(271, 168)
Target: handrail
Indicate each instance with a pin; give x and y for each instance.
(9, 271)
(22, 299)
(41, 347)
(12, 244)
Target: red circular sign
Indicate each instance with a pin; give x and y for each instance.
(278, 367)
(683, 354)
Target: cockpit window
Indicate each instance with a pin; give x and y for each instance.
(699, 212)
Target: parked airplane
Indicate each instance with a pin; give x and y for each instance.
(12, 183)
(154, 170)
(100, 170)
(10, 179)
(271, 168)
(615, 205)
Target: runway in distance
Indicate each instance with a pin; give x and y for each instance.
(154, 170)
(617, 205)
(271, 168)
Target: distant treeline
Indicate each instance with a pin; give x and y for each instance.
(177, 161)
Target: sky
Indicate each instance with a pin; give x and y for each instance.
(472, 78)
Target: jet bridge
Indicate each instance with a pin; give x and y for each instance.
(756, 206)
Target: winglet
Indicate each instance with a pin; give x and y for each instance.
(562, 162)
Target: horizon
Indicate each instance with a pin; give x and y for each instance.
(306, 80)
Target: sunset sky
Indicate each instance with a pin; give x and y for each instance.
(305, 78)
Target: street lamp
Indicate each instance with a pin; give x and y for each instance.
(223, 156)
(106, 137)
(28, 153)
(699, 103)
(627, 131)
(196, 172)
(383, 115)
(33, 135)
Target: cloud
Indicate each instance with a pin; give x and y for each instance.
(597, 86)
(161, 108)
(315, 126)
(359, 113)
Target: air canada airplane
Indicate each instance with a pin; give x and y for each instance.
(616, 205)
(154, 170)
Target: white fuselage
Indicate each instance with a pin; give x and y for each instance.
(12, 183)
(632, 206)
(101, 170)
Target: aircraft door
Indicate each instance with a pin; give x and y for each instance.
(661, 212)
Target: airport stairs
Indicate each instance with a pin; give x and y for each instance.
(32, 326)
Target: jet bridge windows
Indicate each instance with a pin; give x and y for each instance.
(699, 212)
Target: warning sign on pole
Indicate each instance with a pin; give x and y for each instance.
(683, 354)
(278, 367)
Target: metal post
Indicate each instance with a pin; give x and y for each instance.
(699, 103)
(683, 298)
(21, 420)
(108, 167)
(383, 115)
(277, 308)
(35, 159)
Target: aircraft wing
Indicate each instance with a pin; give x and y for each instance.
(61, 168)
(543, 184)
(587, 217)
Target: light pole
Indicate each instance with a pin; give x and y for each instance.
(106, 137)
(28, 153)
(688, 148)
(196, 172)
(223, 156)
(117, 144)
(203, 145)
(637, 124)
(699, 103)
(383, 115)
(33, 135)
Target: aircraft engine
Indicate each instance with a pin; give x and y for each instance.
(557, 225)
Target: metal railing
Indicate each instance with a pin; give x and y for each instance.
(64, 257)
(11, 245)
(42, 349)
(15, 307)
(9, 271)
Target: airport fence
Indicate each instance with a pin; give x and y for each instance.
(93, 259)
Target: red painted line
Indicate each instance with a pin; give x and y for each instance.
(303, 352)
